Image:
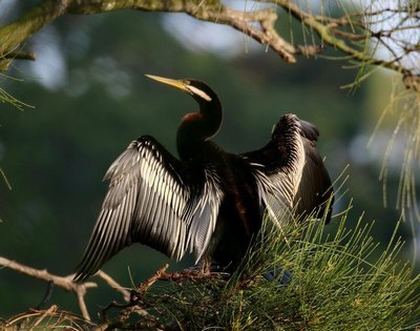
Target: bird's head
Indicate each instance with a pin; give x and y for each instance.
(199, 90)
(196, 126)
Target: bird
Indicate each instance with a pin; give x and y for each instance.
(208, 202)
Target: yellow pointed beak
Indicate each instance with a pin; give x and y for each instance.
(179, 84)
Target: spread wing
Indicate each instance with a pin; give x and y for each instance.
(152, 200)
(315, 192)
(290, 171)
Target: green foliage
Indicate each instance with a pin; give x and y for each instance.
(334, 286)
(7, 98)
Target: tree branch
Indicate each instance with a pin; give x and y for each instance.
(180, 276)
(66, 283)
(112, 283)
(16, 33)
(257, 24)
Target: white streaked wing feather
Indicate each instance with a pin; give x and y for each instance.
(278, 190)
(300, 180)
(146, 202)
(204, 217)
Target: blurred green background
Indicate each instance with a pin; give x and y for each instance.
(91, 99)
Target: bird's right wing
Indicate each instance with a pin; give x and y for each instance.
(289, 170)
(278, 172)
(152, 200)
(315, 192)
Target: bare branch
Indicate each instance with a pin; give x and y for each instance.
(66, 283)
(179, 277)
(139, 305)
(113, 283)
(12, 35)
(52, 319)
(259, 25)
(53, 309)
(144, 286)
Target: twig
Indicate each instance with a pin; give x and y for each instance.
(13, 34)
(259, 25)
(148, 321)
(65, 283)
(179, 277)
(144, 286)
(326, 33)
(49, 311)
(138, 303)
(113, 283)
(50, 319)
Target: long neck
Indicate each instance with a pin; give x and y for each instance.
(198, 127)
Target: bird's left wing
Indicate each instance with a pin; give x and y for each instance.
(152, 200)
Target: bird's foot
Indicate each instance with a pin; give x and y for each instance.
(282, 276)
(206, 270)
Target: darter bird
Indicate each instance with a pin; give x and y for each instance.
(209, 202)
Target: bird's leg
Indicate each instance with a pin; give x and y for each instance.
(200, 270)
(196, 273)
(205, 267)
(47, 295)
